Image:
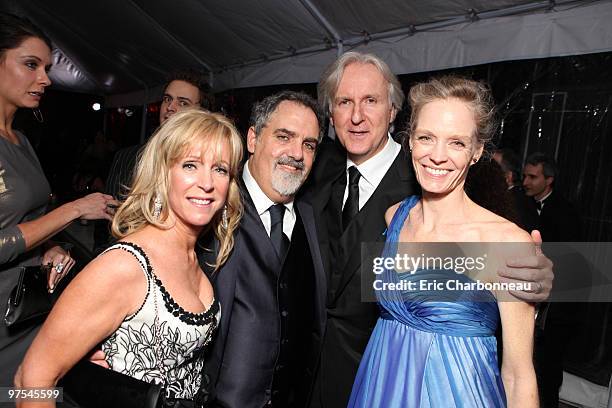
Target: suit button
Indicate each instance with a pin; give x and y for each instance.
(283, 286)
(278, 368)
(284, 313)
(285, 341)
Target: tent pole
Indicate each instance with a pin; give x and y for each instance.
(156, 24)
(143, 123)
(321, 19)
(105, 122)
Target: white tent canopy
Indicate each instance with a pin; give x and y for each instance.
(123, 49)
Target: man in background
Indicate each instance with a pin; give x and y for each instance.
(557, 321)
(559, 221)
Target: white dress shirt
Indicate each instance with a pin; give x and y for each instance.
(373, 170)
(541, 202)
(262, 204)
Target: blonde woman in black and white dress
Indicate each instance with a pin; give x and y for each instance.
(146, 298)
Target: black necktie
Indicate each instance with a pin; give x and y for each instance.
(351, 206)
(539, 205)
(278, 238)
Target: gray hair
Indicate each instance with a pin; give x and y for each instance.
(261, 112)
(549, 167)
(330, 80)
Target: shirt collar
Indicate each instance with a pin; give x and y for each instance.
(261, 201)
(374, 169)
(545, 197)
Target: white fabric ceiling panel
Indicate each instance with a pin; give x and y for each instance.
(569, 32)
(127, 47)
(236, 31)
(383, 15)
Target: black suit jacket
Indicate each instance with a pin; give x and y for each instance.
(559, 220)
(349, 320)
(119, 177)
(525, 208)
(244, 354)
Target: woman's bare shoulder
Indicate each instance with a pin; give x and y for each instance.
(495, 228)
(391, 212)
(505, 239)
(503, 230)
(117, 265)
(113, 280)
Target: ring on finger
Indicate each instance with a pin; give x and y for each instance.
(59, 267)
(538, 288)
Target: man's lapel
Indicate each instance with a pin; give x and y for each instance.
(329, 169)
(305, 212)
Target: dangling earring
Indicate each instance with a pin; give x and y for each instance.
(224, 217)
(157, 206)
(38, 115)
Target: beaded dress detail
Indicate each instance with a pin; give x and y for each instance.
(161, 342)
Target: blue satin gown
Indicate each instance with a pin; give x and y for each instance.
(425, 352)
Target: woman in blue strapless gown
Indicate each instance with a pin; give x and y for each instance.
(425, 350)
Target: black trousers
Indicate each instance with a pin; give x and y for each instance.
(550, 348)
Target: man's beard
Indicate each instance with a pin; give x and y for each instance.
(285, 183)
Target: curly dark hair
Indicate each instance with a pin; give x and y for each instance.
(198, 79)
(486, 186)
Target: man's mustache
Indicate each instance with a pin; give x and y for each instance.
(288, 161)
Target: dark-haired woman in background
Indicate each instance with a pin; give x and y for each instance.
(25, 57)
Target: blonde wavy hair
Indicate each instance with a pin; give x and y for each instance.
(169, 144)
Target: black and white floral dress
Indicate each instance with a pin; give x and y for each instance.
(161, 343)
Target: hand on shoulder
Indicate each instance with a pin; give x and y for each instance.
(499, 229)
(513, 233)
